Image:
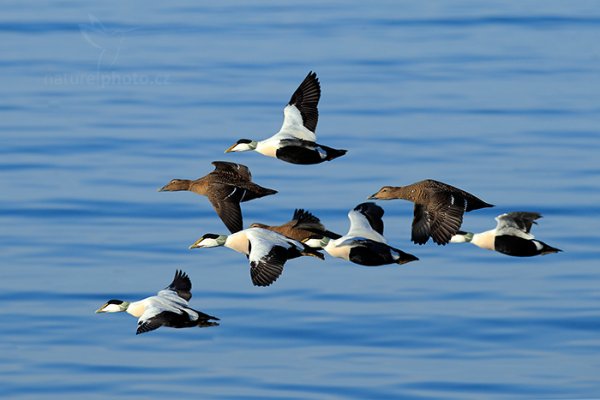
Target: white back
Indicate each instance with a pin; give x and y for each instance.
(263, 240)
(293, 126)
(360, 227)
(166, 300)
(507, 226)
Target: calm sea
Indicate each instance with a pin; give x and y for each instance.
(103, 104)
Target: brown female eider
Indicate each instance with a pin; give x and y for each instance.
(226, 187)
(439, 208)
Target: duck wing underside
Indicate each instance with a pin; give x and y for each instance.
(421, 225)
(267, 267)
(228, 209)
(150, 324)
(440, 222)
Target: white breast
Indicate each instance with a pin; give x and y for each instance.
(334, 249)
(137, 308)
(238, 242)
(485, 240)
(268, 147)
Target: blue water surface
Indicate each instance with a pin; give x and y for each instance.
(104, 103)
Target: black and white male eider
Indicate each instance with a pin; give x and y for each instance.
(296, 140)
(364, 243)
(267, 251)
(438, 211)
(168, 308)
(511, 236)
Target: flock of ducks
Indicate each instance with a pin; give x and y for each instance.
(438, 214)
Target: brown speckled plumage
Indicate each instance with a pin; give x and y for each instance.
(438, 211)
(226, 187)
(303, 225)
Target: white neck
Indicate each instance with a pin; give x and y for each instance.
(334, 249)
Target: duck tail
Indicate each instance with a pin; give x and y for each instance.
(255, 192)
(548, 249)
(309, 251)
(404, 257)
(205, 320)
(268, 192)
(333, 153)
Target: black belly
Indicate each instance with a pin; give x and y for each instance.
(299, 155)
(175, 320)
(515, 246)
(371, 257)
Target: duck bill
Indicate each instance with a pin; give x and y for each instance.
(163, 189)
(373, 197)
(101, 309)
(197, 244)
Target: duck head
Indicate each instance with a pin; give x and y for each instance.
(209, 240)
(385, 193)
(257, 225)
(243, 145)
(113, 306)
(176, 185)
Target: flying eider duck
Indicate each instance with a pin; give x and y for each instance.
(296, 140)
(267, 251)
(168, 308)
(226, 187)
(511, 236)
(439, 208)
(364, 243)
(303, 227)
